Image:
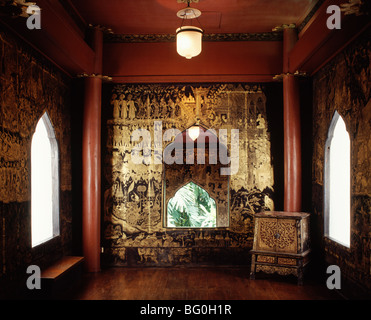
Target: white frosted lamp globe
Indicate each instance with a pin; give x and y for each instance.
(189, 41)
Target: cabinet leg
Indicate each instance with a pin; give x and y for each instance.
(300, 276)
(252, 271)
(300, 273)
(252, 275)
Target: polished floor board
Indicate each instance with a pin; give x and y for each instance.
(195, 284)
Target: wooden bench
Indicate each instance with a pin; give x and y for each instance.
(61, 277)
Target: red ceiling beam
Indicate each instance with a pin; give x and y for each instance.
(245, 61)
(317, 44)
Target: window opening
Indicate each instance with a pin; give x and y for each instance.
(44, 183)
(337, 182)
(191, 206)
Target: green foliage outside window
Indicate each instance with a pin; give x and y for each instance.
(191, 207)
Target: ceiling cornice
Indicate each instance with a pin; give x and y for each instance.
(148, 38)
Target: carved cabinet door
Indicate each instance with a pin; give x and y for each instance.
(277, 235)
(286, 236)
(266, 234)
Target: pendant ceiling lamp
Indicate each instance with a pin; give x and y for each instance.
(194, 131)
(189, 38)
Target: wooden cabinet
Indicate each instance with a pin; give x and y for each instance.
(281, 243)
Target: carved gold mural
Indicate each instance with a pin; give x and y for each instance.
(29, 86)
(343, 85)
(134, 228)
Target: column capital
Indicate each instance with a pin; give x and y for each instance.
(284, 26)
(279, 77)
(357, 7)
(93, 75)
(101, 28)
(16, 8)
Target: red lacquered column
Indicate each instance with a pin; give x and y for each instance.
(91, 166)
(292, 131)
(292, 144)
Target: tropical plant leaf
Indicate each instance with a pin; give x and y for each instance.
(191, 206)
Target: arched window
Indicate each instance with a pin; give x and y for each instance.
(192, 207)
(337, 182)
(44, 183)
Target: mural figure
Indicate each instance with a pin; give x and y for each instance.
(116, 107)
(131, 107)
(123, 107)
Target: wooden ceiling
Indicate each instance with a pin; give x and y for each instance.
(65, 26)
(218, 16)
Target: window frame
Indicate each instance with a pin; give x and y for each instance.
(326, 183)
(55, 180)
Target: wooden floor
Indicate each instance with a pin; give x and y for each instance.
(196, 284)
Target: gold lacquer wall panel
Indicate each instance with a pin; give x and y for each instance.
(30, 86)
(134, 230)
(343, 85)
